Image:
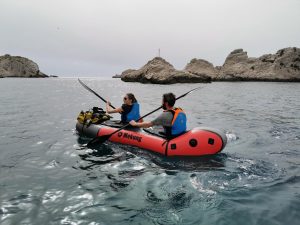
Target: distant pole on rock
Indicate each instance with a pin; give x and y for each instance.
(159, 52)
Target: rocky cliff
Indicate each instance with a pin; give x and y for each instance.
(16, 66)
(201, 67)
(284, 65)
(159, 71)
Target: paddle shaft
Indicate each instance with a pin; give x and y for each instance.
(90, 90)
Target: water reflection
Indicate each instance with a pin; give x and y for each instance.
(203, 163)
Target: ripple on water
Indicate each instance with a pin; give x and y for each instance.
(251, 173)
(23, 204)
(231, 136)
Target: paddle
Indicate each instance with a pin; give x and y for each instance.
(100, 139)
(90, 90)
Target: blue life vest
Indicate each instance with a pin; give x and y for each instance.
(134, 113)
(178, 123)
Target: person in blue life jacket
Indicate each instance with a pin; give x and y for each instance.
(130, 110)
(172, 119)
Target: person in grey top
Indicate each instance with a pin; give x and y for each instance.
(165, 119)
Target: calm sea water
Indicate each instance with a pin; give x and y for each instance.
(48, 176)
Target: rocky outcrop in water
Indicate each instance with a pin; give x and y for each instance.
(117, 76)
(159, 71)
(281, 66)
(201, 67)
(16, 66)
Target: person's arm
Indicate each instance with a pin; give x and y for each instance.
(163, 119)
(141, 124)
(111, 110)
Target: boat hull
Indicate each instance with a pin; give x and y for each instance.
(198, 141)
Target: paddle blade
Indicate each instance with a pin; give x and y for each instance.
(98, 141)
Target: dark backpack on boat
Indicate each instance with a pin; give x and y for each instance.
(93, 116)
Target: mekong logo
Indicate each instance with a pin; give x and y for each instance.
(130, 136)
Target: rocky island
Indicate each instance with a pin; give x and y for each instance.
(159, 71)
(17, 66)
(117, 76)
(284, 65)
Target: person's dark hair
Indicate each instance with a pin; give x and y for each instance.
(131, 97)
(169, 98)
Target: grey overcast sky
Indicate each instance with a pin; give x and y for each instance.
(105, 37)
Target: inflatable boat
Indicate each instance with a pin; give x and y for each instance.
(198, 141)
